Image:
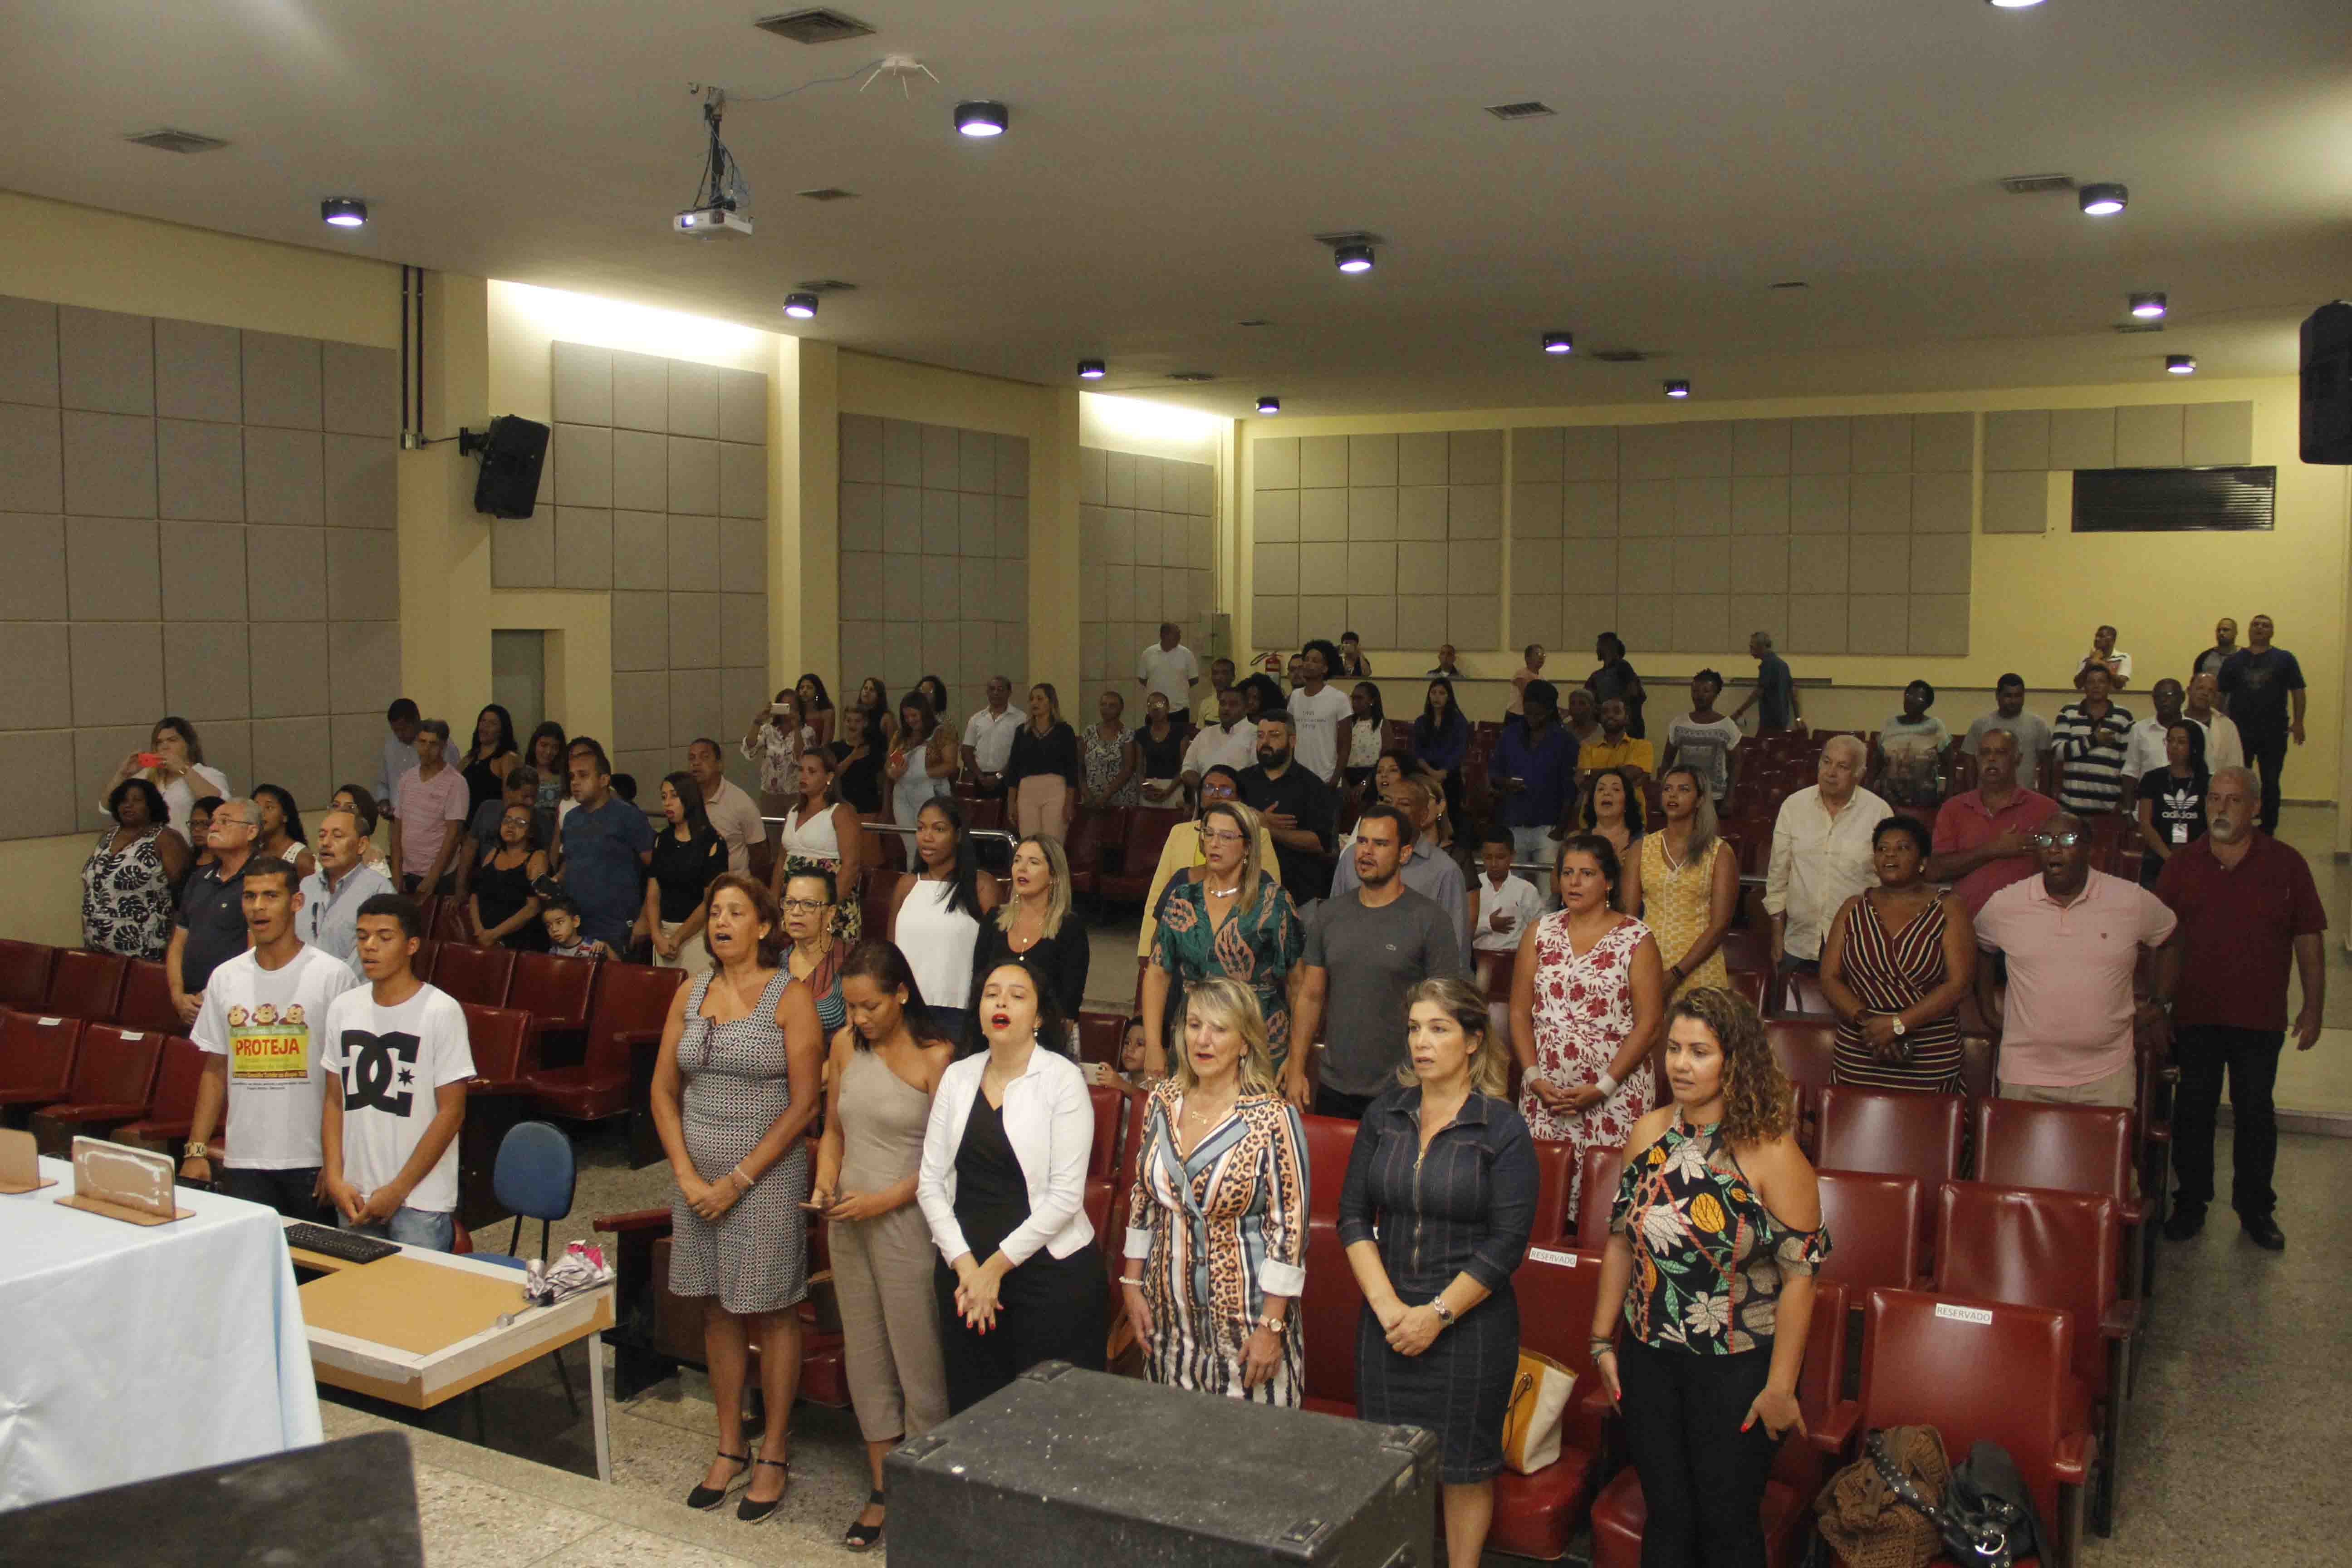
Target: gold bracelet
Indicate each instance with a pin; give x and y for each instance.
(743, 1183)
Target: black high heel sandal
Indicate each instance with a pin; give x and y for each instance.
(863, 1537)
(708, 1498)
(751, 1512)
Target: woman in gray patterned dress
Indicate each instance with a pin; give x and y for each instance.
(733, 1091)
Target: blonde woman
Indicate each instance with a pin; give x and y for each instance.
(1216, 1239)
(1042, 777)
(1439, 1198)
(1228, 919)
(1036, 930)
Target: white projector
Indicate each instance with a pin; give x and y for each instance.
(711, 221)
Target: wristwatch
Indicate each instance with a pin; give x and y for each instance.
(1899, 1030)
(1445, 1313)
(197, 1148)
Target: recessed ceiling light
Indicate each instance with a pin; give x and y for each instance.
(800, 306)
(2014, 5)
(1679, 389)
(2105, 199)
(343, 211)
(2148, 306)
(1353, 258)
(1559, 342)
(982, 119)
(1090, 370)
(2180, 365)
(1269, 405)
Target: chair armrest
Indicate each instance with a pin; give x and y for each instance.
(2120, 1320)
(1835, 1433)
(632, 1038)
(126, 1110)
(2076, 1453)
(652, 1221)
(1591, 1397)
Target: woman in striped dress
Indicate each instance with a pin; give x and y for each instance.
(1899, 959)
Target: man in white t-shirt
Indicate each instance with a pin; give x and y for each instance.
(1169, 668)
(260, 1025)
(399, 1053)
(1703, 737)
(988, 737)
(1232, 740)
(1316, 710)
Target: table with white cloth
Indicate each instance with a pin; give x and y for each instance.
(129, 1351)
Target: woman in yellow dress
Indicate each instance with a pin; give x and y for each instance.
(1685, 884)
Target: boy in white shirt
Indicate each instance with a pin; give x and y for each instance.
(260, 1027)
(399, 1053)
(1501, 905)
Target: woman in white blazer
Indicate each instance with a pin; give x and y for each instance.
(1003, 1189)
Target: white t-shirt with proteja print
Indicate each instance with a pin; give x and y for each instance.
(391, 1061)
(267, 1022)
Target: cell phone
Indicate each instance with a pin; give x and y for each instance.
(151, 760)
(812, 1207)
(777, 710)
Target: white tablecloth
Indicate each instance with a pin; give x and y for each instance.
(130, 1351)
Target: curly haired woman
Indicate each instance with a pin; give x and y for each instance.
(1713, 1242)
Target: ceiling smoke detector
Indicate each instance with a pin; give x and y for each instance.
(1533, 108)
(825, 286)
(827, 194)
(1191, 375)
(1621, 356)
(2036, 184)
(170, 141)
(814, 26)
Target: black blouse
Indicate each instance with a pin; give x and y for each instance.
(1469, 1205)
(1162, 758)
(684, 872)
(1059, 961)
(859, 783)
(1035, 755)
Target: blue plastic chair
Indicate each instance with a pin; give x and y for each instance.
(534, 1178)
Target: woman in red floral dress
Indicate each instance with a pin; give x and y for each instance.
(1587, 997)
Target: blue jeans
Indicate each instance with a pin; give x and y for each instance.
(412, 1227)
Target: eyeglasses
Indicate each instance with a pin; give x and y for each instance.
(804, 906)
(1224, 835)
(2065, 839)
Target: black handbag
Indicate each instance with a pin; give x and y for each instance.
(1986, 1518)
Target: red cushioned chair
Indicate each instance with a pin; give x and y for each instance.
(1891, 1132)
(448, 923)
(1986, 1371)
(880, 890)
(172, 1106)
(146, 1000)
(1799, 1470)
(1803, 998)
(37, 1061)
(2039, 1247)
(1147, 828)
(1110, 1110)
(1535, 1516)
(1328, 1311)
(1806, 1050)
(1330, 1139)
(428, 910)
(24, 974)
(2075, 1148)
(87, 985)
(1878, 1227)
(1754, 985)
(505, 1043)
(631, 1003)
(481, 975)
(1596, 1194)
(1089, 833)
(427, 958)
(1100, 1035)
(1555, 1189)
(555, 991)
(113, 1080)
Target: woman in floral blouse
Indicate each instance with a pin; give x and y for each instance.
(1713, 1242)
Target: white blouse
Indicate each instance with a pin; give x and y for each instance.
(1049, 1120)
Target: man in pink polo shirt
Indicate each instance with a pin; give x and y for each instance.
(2072, 937)
(1984, 838)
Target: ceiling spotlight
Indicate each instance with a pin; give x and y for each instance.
(1679, 389)
(982, 119)
(800, 306)
(2148, 306)
(2180, 365)
(1353, 258)
(1269, 405)
(2105, 199)
(1090, 370)
(1559, 342)
(343, 211)
(2014, 5)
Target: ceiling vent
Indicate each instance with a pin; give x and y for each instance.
(827, 194)
(1191, 375)
(1348, 236)
(168, 141)
(2139, 326)
(1533, 108)
(2037, 184)
(825, 286)
(815, 26)
(1621, 356)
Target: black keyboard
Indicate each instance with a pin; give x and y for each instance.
(349, 1246)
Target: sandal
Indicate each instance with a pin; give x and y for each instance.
(707, 1498)
(863, 1537)
(751, 1512)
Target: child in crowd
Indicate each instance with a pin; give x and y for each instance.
(561, 918)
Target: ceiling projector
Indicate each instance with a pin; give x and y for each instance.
(711, 220)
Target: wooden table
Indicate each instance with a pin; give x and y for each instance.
(421, 1328)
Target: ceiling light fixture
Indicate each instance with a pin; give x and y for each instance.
(800, 306)
(982, 118)
(1269, 405)
(343, 211)
(2180, 365)
(1559, 342)
(1353, 257)
(2014, 5)
(2105, 199)
(1679, 389)
(2148, 306)
(1090, 370)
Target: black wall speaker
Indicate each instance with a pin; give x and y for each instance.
(2328, 384)
(512, 451)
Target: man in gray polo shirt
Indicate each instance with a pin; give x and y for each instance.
(1385, 938)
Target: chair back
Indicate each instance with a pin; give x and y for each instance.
(1892, 1131)
(1330, 1139)
(24, 974)
(880, 892)
(1803, 998)
(1879, 1223)
(2036, 1247)
(146, 999)
(449, 922)
(1130, 1137)
(1110, 1110)
(1329, 1308)
(535, 1173)
(1554, 1191)
(2076, 1148)
(115, 1067)
(427, 958)
(1820, 1387)
(1806, 1049)
(630, 998)
(1596, 1194)
(1100, 1035)
(85, 984)
(500, 1039)
(36, 1055)
(1089, 833)
(1754, 985)
(479, 974)
(1147, 827)
(556, 991)
(1558, 1288)
(182, 1070)
(1974, 1371)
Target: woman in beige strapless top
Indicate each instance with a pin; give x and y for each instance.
(883, 1071)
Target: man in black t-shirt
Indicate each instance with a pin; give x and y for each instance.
(1298, 809)
(2263, 687)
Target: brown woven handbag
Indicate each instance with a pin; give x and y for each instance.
(1861, 1519)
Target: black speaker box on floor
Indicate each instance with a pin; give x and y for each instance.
(2328, 384)
(1079, 1470)
(512, 451)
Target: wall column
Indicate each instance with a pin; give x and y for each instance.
(445, 544)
